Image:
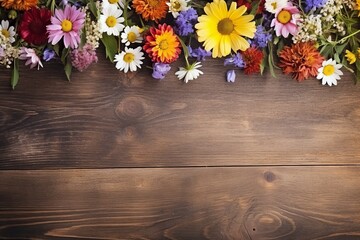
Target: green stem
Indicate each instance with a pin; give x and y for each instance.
(344, 38)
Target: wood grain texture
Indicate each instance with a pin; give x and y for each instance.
(104, 118)
(185, 203)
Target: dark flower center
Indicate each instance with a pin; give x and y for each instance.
(37, 27)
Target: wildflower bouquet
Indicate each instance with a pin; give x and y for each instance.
(306, 38)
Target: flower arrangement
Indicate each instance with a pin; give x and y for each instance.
(305, 38)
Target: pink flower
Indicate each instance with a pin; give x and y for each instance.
(285, 21)
(82, 58)
(30, 56)
(66, 23)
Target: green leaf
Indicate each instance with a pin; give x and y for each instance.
(110, 44)
(68, 69)
(56, 49)
(64, 54)
(337, 58)
(15, 74)
(326, 51)
(264, 63)
(340, 48)
(93, 9)
(271, 65)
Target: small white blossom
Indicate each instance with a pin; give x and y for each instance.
(189, 73)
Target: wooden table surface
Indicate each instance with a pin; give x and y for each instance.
(115, 156)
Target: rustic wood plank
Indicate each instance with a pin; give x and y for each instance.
(107, 119)
(186, 203)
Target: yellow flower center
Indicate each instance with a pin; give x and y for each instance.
(225, 26)
(111, 21)
(66, 25)
(129, 57)
(328, 70)
(176, 6)
(5, 32)
(284, 16)
(164, 45)
(113, 1)
(131, 37)
(274, 5)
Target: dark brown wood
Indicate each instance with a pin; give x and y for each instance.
(104, 119)
(182, 203)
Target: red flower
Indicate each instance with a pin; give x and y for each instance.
(253, 58)
(247, 3)
(162, 44)
(302, 60)
(32, 27)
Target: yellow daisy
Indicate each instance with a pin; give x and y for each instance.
(358, 6)
(222, 29)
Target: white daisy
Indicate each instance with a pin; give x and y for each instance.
(329, 72)
(7, 31)
(131, 35)
(130, 59)
(120, 3)
(176, 6)
(189, 73)
(273, 5)
(111, 20)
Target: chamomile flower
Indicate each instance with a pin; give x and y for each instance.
(329, 72)
(130, 59)
(273, 5)
(177, 6)
(191, 72)
(7, 31)
(111, 20)
(131, 35)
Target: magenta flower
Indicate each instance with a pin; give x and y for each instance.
(285, 21)
(30, 56)
(66, 24)
(82, 58)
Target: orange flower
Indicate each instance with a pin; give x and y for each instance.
(302, 60)
(151, 9)
(18, 4)
(162, 45)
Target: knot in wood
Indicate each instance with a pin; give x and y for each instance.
(269, 176)
(130, 108)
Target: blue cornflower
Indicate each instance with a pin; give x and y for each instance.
(314, 4)
(48, 54)
(235, 60)
(199, 53)
(230, 76)
(261, 37)
(184, 23)
(160, 70)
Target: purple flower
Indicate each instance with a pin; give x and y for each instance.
(48, 54)
(160, 70)
(184, 23)
(199, 53)
(30, 56)
(83, 58)
(314, 4)
(261, 37)
(230, 76)
(235, 60)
